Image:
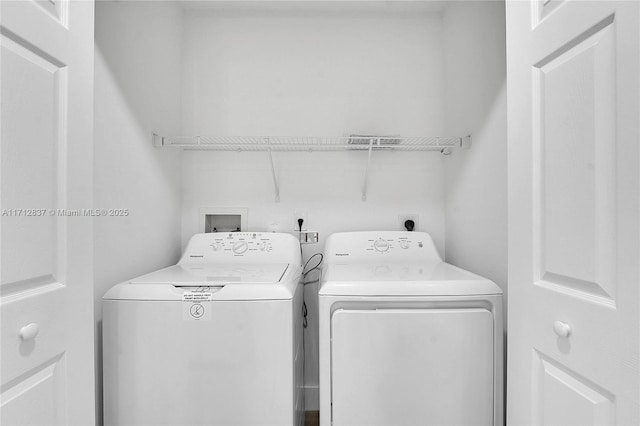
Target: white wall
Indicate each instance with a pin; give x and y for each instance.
(476, 180)
(299, 74)
(324, 187)
(292, 73)
(137, 90)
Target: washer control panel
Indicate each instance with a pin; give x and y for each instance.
(240, 243)
(258, 246)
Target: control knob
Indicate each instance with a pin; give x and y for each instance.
(240, 247)
(381, 245)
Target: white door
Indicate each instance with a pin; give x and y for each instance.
(46, 294)
(573, 92)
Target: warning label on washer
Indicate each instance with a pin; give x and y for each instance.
(196, 305)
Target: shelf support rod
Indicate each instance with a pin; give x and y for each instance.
(273, 170)
(366, 172)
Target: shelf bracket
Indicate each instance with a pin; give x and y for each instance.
(366, 172)
(273, 170)
(465, 142)
(157, 140)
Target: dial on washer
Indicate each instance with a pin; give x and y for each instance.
(240, 247)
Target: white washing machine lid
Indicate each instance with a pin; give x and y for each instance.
(230, 282)
(403, 279)
(203, 274)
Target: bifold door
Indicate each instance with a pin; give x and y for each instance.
(412, 367)
(46, 240)
(574, 228)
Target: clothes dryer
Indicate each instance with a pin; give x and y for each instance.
(405, 338)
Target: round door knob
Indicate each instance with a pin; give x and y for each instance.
(562, 329)
(29, 331)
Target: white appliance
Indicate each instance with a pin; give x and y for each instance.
(213, 340)
(405, 338)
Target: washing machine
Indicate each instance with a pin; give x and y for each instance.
(213, 340)
(405, 338)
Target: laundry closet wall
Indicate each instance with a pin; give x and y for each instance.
(137, 90)
(476, 103)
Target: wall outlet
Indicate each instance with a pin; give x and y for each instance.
(402, 218)
(308, 238)
(299, 214)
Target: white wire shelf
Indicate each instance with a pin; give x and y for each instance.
(366, 143)
(313, 143)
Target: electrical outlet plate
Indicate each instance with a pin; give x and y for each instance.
(308, 238)
(408, 216)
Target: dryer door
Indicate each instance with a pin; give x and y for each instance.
(412, 367)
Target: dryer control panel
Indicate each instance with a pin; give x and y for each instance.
(349, 247)
(250, 246)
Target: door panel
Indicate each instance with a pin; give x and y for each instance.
(37, 397)
(574, 165)
(46, 276)
(57, 9)
(583, 402)
(33, 95)
(573, 86)
(543, 8)
(412, 367)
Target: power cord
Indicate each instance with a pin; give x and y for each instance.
(300, 222)
(306, 272)
(305, 323)
(316, 267)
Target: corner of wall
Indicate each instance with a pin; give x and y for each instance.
(136, 91)
(476, 180)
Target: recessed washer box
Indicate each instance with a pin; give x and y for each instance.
(222, 219)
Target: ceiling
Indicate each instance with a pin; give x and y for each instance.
(403, 7)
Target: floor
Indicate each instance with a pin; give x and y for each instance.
(311, 418)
